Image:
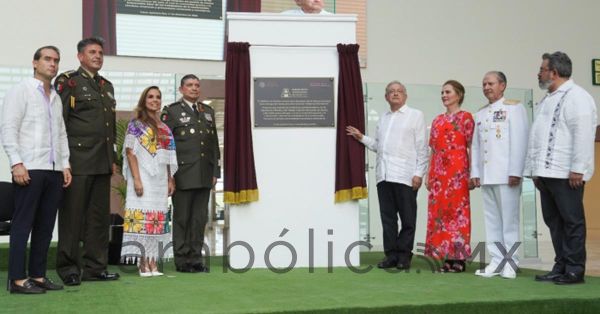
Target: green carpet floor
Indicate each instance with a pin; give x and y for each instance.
(341, 291)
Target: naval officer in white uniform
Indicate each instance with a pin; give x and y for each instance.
(497, 160)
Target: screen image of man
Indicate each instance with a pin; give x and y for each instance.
(89, 115)
(193, 126)
(34, 138)
(308, 7)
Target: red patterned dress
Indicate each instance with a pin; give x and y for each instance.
(449, 211)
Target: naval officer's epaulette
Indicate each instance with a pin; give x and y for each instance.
(483, 107)
(511, 102)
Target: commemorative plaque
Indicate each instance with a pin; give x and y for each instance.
(203, 9)
(293, 102)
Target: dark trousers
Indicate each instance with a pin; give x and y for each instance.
(395, 200)
(35, 212)
(190, 215)
(562, 208)
(84, 217)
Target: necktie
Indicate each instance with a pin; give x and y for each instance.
(195, 107)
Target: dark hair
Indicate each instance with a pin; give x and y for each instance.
(458, 88)
(560, 62)
(141, 113)
(89, 41)
(38, 53)
(499, 75)
(188, 77)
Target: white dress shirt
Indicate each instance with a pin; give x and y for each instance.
(499, 142)
(33, 131)
(566, 145)
(401, 146)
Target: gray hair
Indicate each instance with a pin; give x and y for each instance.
(499, 75)
(560, 62)
(394, 82)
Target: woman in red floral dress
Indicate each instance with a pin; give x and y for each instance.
(449, 214)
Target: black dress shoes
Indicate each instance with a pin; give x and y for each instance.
(200, 268)
(47, 284)
(569, 278)
(28, 287)
(72, 280)
(103, 276)
(387, 262)
(551, 276)
(185, 269)
(403, 265)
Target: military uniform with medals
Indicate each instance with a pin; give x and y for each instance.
(197, 146)
(90, 120)
(498, 151)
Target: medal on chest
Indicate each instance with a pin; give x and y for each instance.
(500, 116)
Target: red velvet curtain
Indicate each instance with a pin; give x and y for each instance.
(350, 182)
(99, 20)
(243, 5)
(239, 171)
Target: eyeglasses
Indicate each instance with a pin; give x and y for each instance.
(395, 91)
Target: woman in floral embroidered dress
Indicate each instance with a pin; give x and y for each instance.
(449, 214)
(149, 148)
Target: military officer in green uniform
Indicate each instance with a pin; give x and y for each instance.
(89, 115)
(197, 147)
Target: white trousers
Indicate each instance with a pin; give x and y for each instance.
(501, 205)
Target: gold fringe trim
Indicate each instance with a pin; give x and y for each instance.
(355, 193)
(243, 196)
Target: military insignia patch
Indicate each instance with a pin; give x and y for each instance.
(499, 116)
(71, 83)
(164, 117)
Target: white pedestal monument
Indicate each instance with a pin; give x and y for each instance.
(295, 166)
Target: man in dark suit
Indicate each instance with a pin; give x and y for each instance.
(89, 115)
(197, 147)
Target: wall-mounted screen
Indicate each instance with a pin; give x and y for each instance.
(182, 29)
